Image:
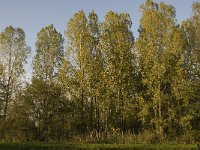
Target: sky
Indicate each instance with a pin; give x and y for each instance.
(32, 15)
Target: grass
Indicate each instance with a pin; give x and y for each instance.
(52, 146)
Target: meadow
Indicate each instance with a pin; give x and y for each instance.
(53, 146)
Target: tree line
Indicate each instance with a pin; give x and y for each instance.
(104, 83)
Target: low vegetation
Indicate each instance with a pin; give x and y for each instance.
(39, 146)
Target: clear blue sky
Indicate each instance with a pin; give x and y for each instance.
(32, 15)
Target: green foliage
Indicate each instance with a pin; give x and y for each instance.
(40, 113)
(13, 55)
(116, 44)
(160, 46)
(104, 87)
(191, 29)
(49, 53)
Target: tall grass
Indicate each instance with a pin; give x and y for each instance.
(146, 137)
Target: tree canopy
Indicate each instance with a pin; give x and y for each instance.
(98, 83)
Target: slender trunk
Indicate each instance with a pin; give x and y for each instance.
(159, 113)
(81, 59)
(98, 121)
(82, 109)
(91, 113)
(160, 118)
(120, 100)
(97, 117)
(7, 96)
(6, 105)
(7, 99)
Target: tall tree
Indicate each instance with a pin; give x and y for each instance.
(159, 47)
(46, 63)
(82, 70)
(13, 52)
(116, 43)
(79, 51)
(191, 29)
(95, 69)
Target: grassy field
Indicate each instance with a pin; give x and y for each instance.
(43, 146)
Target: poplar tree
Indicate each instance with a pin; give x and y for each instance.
(45, 89)
(159, 47)
(95, 71)
(13, 55)
(116, 43)
(191, 30)
(78, 49)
